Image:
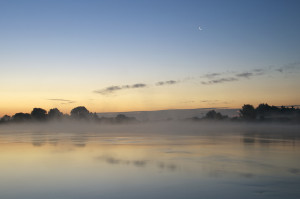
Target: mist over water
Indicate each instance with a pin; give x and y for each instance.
(149, 160)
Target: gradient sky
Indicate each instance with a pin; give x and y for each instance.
(148, 55)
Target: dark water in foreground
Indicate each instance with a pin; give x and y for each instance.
(149, 161)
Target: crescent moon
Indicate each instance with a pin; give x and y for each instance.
(199, 28)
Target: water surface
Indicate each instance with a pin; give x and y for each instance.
(169, 160)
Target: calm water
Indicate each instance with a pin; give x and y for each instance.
(168, 160)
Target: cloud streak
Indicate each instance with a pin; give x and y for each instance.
(245, 75)
(63, 101)
(112, 89)
(289, 67)
(211, 75)
(138, 86)
(235, 76)
(208, 79)
(170, 82)
(255, 72)
(218, 81)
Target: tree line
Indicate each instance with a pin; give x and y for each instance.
(262, 113)
(78, 113)
(265, 112)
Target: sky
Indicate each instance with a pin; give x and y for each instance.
(113, 56)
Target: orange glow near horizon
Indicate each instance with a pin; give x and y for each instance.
(184, 95)
(128, 108)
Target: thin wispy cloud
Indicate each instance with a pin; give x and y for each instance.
(209, 78)
(235, 76)
(214, 102)
(209, 101)
(170, 82)
(289, 67)
(222, 77)
(138, 86)
(218, 81)
(255, 72)
(188, 102)
(70, 102)
(63, 101)
(258, 70)
(279, 70)
(218, 78)
(245, 75)
(211, 75)
(112, 89)
(109, 89)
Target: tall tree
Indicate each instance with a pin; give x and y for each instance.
(248, 112)
(21, 117)
(80, 112)
(54, 113)
(38, 114)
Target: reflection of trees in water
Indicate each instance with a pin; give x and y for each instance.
(79, 140)
(53, 141)
(40, 139)
(269, 138)
(138, 163)
(112, 160)
(217, 166)
(294, 170)
(38, 143)
(170, 167)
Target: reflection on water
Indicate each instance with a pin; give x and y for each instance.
(149, 161)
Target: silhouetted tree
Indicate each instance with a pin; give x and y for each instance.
(5, 118)
(38, 114)
(95, 117)
(287, 110)
(263, 110)
(54, 114)
(248, 112)
(21, 117)
(213, 115)
(120, 118)
(80, 112)
(297, 118)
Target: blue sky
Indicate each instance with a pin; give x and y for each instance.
(106, 43)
